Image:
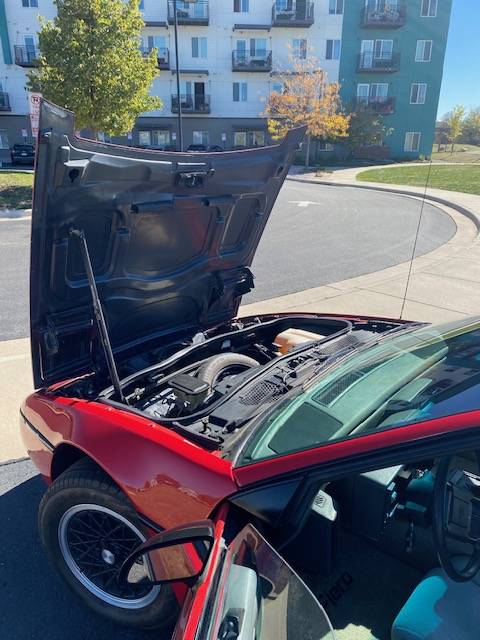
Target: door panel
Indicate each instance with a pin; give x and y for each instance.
(252, 593)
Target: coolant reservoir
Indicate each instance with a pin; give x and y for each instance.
(291, 338)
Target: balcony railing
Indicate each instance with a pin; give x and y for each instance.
(4, 101)
(293, 14)
(26, 55)
(191, 103)
(386, 63)
(382, 105)
(189, 13)
(163, 56)
(384, 15)
(246, 61)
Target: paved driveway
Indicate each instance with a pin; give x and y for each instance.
(316, 235)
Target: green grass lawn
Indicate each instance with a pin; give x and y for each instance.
(462, 153)
(15, 190)
(455, 178)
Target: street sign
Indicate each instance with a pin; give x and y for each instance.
(34, 100)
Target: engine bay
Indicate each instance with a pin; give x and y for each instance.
(250, 363)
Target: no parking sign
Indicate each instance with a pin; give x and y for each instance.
(34, 100)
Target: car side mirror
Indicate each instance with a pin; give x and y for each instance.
(176, 555)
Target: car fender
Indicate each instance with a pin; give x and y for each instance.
(168, 479)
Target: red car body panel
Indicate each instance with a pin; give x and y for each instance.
(170, 479)
(193, 606)
(166, 477)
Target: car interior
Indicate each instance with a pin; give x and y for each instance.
(369, 553)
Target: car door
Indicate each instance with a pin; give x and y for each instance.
(248, 591)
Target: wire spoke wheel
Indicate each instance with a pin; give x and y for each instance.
(94, 542)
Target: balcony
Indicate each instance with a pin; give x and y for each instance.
(293, 14)
(246, 61)
(163, 56)
(4, 101)
(195, 13)
(191, 103)
(390, 16)
(382, 105)
(26, 56)
(385, 63)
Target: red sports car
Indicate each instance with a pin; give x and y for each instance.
(198, 461)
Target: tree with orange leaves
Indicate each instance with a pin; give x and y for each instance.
(307, 98)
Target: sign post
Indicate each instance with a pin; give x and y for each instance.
(34, 101)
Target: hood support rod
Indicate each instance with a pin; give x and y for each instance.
(99, 315)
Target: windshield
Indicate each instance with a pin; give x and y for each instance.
(428, 373)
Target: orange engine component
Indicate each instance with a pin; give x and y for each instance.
(291, 338)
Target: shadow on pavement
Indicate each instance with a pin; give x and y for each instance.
(34, 602)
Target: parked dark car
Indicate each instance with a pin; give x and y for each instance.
(215, 148)
(197, 147)
(22, 154)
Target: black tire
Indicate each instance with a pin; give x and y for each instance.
(85, 485)
(214, 367)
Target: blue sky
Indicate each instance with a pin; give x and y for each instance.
(461, 76)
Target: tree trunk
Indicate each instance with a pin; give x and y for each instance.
(307, 153)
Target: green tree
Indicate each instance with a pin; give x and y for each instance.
(454, 124)
(90, 63)
(471, 127)
(366, 128)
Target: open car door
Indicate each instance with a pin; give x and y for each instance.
(246, 590)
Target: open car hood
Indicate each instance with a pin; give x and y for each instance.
(171, 237)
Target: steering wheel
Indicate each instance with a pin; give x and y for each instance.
(456, 516)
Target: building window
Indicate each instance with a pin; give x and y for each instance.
(335, 6)
(424, 51)
(375, 92)
(154, 137)
(325, 146)
(4, 139)
(200, 137)
(199, 47)
(29, 3)
(241, 6)
(363, 93)
(240, 92)
(418, 92)
(412, 141)
(333, 50)
(429, 8)
(299, 48)
(249, 139)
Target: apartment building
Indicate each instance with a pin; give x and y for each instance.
(392, 61)
(232, 54)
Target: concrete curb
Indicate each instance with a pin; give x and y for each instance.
(14, 214)
(471, 215)
(14, 461)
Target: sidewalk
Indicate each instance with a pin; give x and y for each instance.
(445, 285)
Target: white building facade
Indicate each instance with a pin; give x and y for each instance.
(231, 52)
